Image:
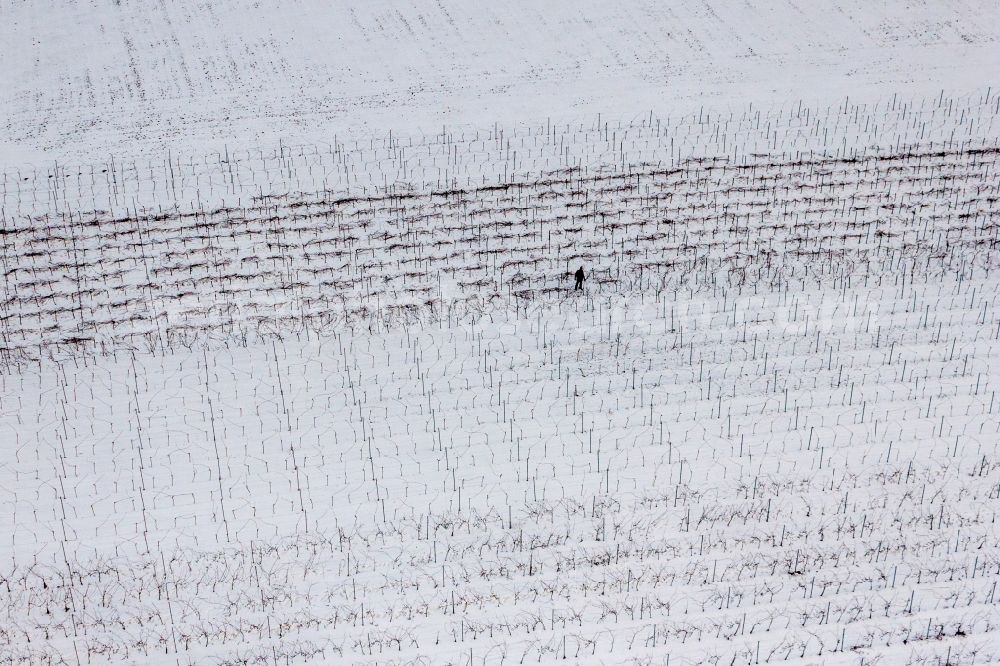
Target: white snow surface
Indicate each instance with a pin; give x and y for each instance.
(292, 371)
(92, 79)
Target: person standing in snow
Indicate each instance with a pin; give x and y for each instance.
(579, 278)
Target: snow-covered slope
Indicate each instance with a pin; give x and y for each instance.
(291, 370)
(99, 78)
(743, 474)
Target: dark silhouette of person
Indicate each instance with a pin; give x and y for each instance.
(579, 278)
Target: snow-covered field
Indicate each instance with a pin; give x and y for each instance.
(95, 79)
(291, 370)
(803, 472)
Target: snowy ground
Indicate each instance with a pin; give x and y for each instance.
(290, 372)
(804, 472)
(94, 79)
